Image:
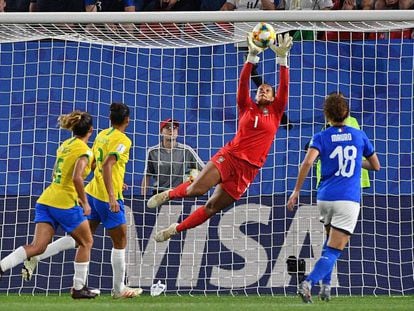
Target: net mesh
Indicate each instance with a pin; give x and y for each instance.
(192, 76)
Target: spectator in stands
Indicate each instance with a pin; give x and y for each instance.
(211, 5)
(109, 5)
(169, 163)
(64, 203)
(14, 5)
(167, 5)
(305, 5)
(393, 5)
(56, 6)
(243, 5)
(341, 149)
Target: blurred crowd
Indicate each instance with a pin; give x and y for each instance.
(223, 5)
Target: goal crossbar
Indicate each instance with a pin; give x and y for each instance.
(209, 16)
(187, 29)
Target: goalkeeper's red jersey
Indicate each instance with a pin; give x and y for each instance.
(257, 128)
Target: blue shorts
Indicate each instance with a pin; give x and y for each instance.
(68, 219)
(100, 211)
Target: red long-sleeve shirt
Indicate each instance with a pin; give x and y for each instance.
(257, 128)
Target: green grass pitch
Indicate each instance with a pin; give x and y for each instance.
(201, 303)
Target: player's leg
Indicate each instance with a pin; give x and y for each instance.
(217, 202)
(43, 234)
(74, 222)
(83, 237)
(342, 217)
(325, 286)
(57, 246)
(207, 178)
(115, 223)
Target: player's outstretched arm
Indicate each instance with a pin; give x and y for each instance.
(282, 49)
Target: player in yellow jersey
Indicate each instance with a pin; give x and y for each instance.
(111, 150)
(64, 203)
(104, 192)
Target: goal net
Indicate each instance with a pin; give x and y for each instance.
(186, 66)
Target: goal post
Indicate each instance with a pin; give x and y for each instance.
(186, 66)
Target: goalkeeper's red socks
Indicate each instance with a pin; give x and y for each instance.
(180, 191)
(195, 219)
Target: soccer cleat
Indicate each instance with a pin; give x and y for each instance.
(325, 292)
(304, 291)
(128, 292)
(158, 199)
(84, 293)
(166, 234)
(29, 266)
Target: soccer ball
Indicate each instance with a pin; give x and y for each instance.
(263, 35)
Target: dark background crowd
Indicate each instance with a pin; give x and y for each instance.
(223, 5)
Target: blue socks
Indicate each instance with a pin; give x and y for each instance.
(327, 278)
(324, 265)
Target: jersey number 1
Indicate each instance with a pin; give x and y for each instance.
(346, 160)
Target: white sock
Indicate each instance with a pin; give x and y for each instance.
(62, 244)
(81, 272)
(118, 269)
(13, 259)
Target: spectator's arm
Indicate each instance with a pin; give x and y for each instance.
(406, 4)
(379, 5)
(367, 4)
(349, 5)
(33, 6)
(129, 8)
(268, 5)
(2, 5)
(90, 6)
(145, 183)
(228, 7)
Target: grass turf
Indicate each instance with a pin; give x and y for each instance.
(200, 303)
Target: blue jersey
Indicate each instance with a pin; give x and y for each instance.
(341, 150)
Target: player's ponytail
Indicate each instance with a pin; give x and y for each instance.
(119, 112)
(78, 122)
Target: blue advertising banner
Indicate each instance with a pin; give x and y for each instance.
(245, 248)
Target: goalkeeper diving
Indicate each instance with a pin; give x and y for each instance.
(233, 168)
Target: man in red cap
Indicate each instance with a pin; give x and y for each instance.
(169, 163)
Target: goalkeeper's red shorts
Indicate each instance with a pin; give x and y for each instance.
(236, 174)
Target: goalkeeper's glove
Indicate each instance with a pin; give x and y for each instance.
(254, 50)
(282, 49)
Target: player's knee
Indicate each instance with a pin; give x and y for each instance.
(194, 190)
(87, 242)
(38, 249)
(211, 208)
(119, 242)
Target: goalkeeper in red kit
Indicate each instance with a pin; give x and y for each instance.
(236, 165)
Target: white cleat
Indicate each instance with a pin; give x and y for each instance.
(29, 266)
(325, 292)
(166, 234)
(158, 199)
(128, 292)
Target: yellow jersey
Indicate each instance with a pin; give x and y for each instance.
(109, 142)
(62, 193)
